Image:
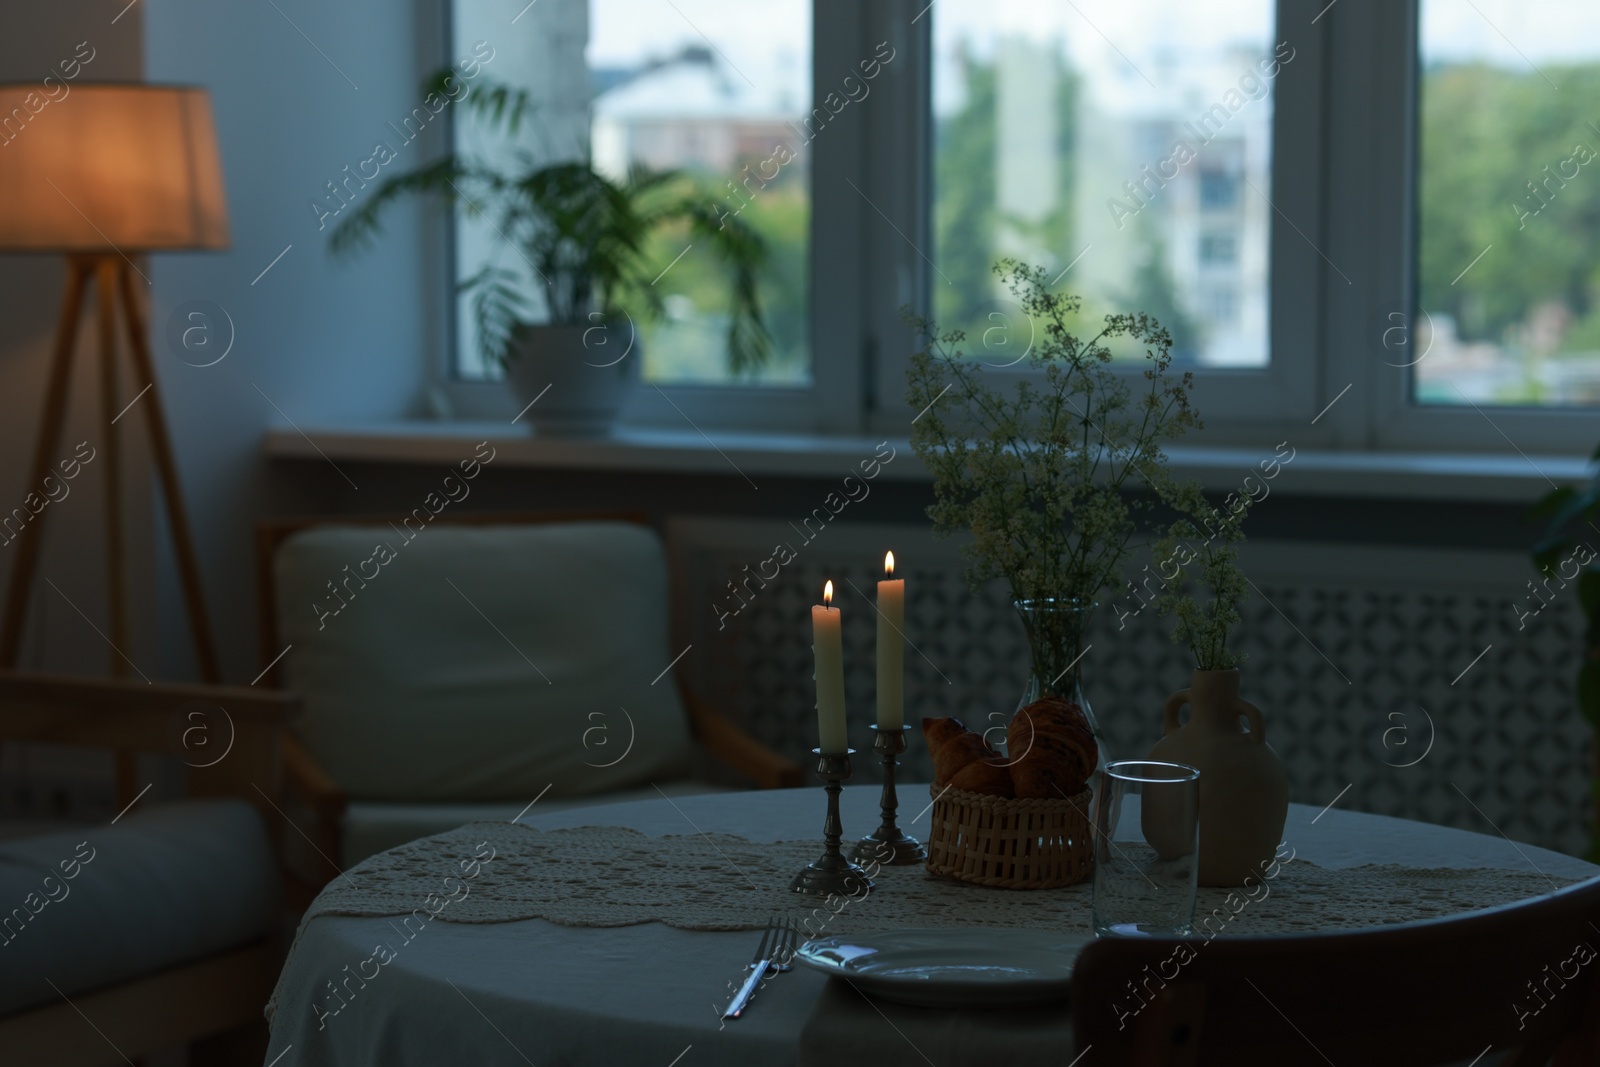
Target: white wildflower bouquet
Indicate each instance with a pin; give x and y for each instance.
(1048, 470)
(1204, 540)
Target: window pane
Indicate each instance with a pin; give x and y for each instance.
(1509, 203)
(709, 88)
(1126, 146)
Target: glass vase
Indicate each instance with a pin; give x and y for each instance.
(1056, 627)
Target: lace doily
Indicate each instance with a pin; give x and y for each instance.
(616, 876)
(492, 872)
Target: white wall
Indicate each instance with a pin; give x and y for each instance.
(323, 340)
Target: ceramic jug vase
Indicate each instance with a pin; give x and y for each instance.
(1244, 792)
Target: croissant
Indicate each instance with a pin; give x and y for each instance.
(961, 760)
(1052, 749)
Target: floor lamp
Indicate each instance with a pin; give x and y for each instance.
(102, 173)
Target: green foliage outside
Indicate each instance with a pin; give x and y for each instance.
(968, 227)
(690, 348)
(1486, 132)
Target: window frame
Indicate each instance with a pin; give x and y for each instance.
(832, 403)
(1344, 132)
(1391, 175)
(1241, 405)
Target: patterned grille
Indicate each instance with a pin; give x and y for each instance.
(1353, 670)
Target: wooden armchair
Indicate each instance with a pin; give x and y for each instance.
(121, 1005)
(1520, 983)
(319, 792)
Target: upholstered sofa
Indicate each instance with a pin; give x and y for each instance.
(161, 926)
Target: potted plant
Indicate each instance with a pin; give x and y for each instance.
(1039, 468)
(1244, 790)
(584, 237)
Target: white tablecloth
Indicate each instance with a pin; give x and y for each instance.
(535, 992)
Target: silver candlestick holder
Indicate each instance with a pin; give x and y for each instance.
(888, 845)
(832, 873)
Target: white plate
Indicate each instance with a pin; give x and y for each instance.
(959, 967)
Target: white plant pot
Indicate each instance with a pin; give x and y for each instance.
(576, 377)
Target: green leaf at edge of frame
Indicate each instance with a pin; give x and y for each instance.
(1589, 691)
(1589, 596)
(1550, 503)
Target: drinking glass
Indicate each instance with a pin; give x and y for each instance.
(1147, 848)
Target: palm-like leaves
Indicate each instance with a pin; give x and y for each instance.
(583, 235)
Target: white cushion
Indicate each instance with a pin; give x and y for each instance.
(371, 827)
(480, 663)
(163, 886)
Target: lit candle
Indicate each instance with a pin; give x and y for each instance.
(827, 646)
(891, 648)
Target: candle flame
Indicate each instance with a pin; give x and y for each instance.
(827, 595)
(888, 563)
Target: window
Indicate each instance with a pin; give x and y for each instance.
(1221, 305)
(709, 88)
(1218, 249)
(1218, 190)
(1092, 139)
(1508, 190)
(1372, 223)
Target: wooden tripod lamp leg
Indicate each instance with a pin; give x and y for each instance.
(113, 280)
(171, 489)
(51, 419)
(105, 283)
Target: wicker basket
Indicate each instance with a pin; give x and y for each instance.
(1010, 844)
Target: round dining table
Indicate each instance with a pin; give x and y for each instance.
(536, 992)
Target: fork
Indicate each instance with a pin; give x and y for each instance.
(773, 956)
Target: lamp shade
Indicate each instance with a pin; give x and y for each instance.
(109, 166)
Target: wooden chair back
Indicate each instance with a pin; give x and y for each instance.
(1521, 977)
(229, 737)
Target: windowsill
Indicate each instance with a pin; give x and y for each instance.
(1372, 475)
